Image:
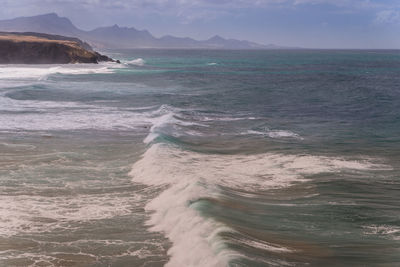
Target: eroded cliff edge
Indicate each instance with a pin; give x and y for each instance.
(38, 48)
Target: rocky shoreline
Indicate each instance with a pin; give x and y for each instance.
(38, 48)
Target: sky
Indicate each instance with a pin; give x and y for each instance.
(299, 23)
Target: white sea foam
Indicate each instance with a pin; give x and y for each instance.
(275, 134)
(262, 245)
(168, 116)
(212, 64)
(20, 214)
(191, 176)
(42, 72)
(18, 146)
(9, 104)
(283, 134)
(386, 231)
(159, 122)
(55, 115)
(225, 118)
(70, 119)
(80, 252)
(136, 62)
(190, 233)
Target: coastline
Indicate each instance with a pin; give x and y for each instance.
(36, 48)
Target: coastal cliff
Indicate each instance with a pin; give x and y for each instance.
(38, 48)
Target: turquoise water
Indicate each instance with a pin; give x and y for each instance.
(202, 158)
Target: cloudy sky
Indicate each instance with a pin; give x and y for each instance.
(302, 23)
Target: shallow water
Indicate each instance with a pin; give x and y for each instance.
(202, 158)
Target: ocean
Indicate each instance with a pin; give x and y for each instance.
(202, 158)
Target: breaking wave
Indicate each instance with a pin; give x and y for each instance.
(190, 176)
(42, 72)
(136, 62)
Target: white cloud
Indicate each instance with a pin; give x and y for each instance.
(388, 17)
(186, 10)
(187, 3)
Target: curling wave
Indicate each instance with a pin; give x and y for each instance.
(190, 176)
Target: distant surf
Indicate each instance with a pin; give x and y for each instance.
(42, 72)
(136, 62)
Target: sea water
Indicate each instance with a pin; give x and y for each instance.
(202, 158)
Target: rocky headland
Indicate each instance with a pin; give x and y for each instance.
(39, 48)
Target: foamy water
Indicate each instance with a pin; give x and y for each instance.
(192, 176)
(136, 62)
(201, 158)
(41, 72)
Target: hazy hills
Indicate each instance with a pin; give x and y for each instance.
(119, 37)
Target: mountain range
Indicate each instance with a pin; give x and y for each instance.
(119, 37)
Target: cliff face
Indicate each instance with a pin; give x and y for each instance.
(33, 48)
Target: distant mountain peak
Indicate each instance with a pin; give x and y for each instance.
(116, 36)
(49, 23)
(48, 15)
(116, 28)
(51, 16)
(216, 38)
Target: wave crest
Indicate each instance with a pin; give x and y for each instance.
(191, 176)
(136, 62)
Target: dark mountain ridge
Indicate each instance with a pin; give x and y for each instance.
(48, 23)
